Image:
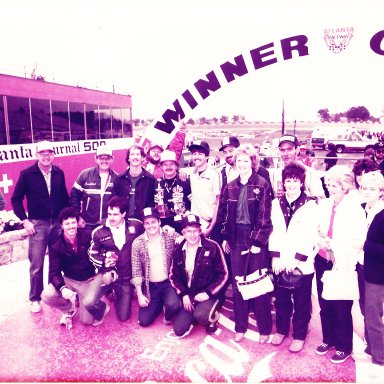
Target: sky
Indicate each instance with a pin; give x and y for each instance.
(155, 50)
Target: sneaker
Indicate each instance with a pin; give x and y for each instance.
(277, 339)
(361, 357)
(296, 346)
(211, 328)
(263, 339)
(35, 306)
(323, 348)
(99, 322)
(376, 370)
(340, 357)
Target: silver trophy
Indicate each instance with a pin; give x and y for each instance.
(161, 207)
(178, 203)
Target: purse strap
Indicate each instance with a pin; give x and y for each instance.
(246, 264)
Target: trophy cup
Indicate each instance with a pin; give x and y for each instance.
(161, 207)
(178, 205)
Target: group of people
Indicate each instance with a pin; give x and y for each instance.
(179, 240)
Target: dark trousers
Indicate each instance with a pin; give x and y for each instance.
(46, 233)
(335, 315)
(260, 306)
(298, 302)
(162, 294)
(201, 314)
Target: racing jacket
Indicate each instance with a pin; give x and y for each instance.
(210, 272)
(88, 197)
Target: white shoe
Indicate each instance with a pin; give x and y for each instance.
(35, 306)
(362, 357)
(376, 370)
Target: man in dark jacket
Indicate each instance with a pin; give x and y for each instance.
(70, 271)
(110, 253)
(198, 273)
(43, 185)
(136, 184)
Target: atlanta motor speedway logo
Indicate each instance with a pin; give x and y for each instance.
(337, 39)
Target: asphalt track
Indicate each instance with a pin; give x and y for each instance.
(34, 348)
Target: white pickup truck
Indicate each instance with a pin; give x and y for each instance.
(353, 142)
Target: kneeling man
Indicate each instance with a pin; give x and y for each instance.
(151, 261)
(198, 273)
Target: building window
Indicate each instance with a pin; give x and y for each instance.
(19, 120)
(60, 120)
(127, 122)
(77, 121)
(3, 134)
(105, 122)
(41, 120)
(92, 120)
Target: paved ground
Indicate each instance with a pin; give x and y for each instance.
(35, 348)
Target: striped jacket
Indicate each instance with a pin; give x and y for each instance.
(141, 261)
(88, 197)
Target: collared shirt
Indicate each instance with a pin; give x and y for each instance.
(118, 234)
(372, 212)
(47, 177)
(205, 187)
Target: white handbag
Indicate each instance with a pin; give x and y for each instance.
(255, 284)
(340, 284)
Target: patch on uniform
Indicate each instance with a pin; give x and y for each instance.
(106, 238)
(131, 229)
(206, 253)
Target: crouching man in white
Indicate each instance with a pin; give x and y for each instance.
(70, 271)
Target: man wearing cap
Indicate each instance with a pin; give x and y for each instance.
(110, 253)
(205, 186)
(43, 186)
(379, 153)
(176, 190)
(151, 261)
(136, 184)
(93, 188)
(228, 169)
(198, 274)
(153, 160)
(288, 148)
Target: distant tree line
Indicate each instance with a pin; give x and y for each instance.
(354, 114)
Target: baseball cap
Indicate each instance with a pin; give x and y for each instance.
(44, 146)
(289, 139)
(154, 145)
(168, 155)
(200, 145)
(103, 150)
(230, 140)
(190, 220)
(149, 212)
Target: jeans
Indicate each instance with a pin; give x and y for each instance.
(374, 300)
(162, 294)
(335, 315)
(53, 298)
(261, 305)
(201, 314)
(46, 233)
(123, 290)
(300, 307)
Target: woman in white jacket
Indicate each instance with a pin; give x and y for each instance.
(342, 233)
(292, 244)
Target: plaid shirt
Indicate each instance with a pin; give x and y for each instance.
(140, 258)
